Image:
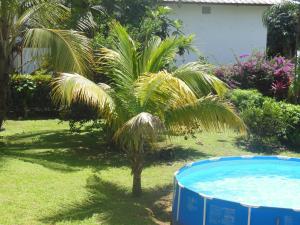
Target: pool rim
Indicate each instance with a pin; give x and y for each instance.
(231, 158)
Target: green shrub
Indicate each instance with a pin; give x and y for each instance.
(30, 95)
(292, 119)
(243, 98)
(268, 120)
(294, 91)
(79, 115)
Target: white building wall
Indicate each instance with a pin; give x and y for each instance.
(29, 60)
(227, 31)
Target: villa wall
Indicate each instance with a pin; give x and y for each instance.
(227, 30)
(28, 62)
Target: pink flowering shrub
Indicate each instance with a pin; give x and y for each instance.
(272, 77)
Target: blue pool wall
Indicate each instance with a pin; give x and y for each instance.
(191, 208)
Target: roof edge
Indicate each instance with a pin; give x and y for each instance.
(220, 3)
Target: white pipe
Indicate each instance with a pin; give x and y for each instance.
(247, 156)
(189, 164)
(214, 159)
(283, 157)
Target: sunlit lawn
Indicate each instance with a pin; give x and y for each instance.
(50, 176)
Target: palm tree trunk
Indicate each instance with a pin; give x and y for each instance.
(137, 183)
(5, 50)
(137, 168)
(4, 78)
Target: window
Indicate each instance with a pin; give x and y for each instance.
(206, 10)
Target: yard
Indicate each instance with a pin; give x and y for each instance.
(126, 66)
(50, 176)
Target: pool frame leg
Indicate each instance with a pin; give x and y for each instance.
(178, 202)
(204, 211)
(249, 216)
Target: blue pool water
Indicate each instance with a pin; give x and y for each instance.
(267, 182)
(253, 190)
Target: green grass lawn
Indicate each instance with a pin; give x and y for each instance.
(50, 176)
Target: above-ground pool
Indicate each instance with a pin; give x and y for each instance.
(247, 190)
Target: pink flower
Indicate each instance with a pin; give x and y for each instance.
(244, 56)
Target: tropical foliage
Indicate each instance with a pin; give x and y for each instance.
(30, 96)
(269, 122)
(143, 101)
(272, 77)
(281, 21)
(143, 18)
(294, 90)
(34, 23)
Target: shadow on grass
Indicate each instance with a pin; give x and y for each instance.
(108, 202)
(222, 140)
(111, 204)
(62, 150)
(68, 152)
(259, 147)
(171, 153)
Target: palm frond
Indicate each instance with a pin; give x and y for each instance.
(87, 23)
(200, 79)
(142, 128)
(41, 14)
(115, 66)
(208, 113)
(125, 47)
(159, 53)
(147, 52)
(25, 4)
(69, 51)
(120, 62)
(72, 88)
(160, 91)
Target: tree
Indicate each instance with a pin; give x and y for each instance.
(142, 18)
(281, 21)
(145, 101)
(294, 91)
(36, 24)
(129, 12)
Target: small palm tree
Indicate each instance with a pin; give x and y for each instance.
(144, 101)
(36, 23)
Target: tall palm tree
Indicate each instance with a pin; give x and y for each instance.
(143, 101)
(36, 23)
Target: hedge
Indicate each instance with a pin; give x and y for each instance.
(267, 119)
(30, 96)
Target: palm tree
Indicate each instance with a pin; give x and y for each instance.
(144, 101)
(36, 23)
